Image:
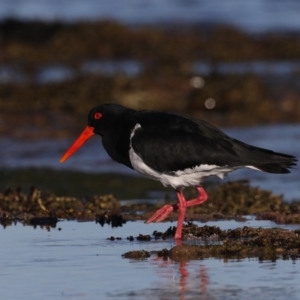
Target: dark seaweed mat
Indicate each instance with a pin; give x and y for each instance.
(211, 241)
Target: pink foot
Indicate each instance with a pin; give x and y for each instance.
(162, 213)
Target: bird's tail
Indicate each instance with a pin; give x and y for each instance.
(270, 161)
(281, 165)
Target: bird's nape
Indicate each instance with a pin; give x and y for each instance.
(84, 136)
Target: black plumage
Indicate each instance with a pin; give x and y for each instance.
(174, 149)
(169, 142)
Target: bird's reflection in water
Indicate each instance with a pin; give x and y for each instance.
(176, 272)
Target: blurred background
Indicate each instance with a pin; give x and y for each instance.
(234, 64)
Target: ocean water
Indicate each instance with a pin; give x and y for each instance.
(76, 261)
(253, 16)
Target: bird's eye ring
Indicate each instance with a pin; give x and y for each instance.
(97, 115)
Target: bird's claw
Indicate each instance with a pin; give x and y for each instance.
(162, 213)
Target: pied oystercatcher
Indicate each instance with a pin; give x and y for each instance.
(176, 150)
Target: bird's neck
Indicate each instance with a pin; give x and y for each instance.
(116, 141)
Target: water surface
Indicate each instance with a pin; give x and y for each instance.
(253, 16)
(279, 70)
(78, 262)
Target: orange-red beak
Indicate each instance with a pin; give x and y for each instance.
(85, 135)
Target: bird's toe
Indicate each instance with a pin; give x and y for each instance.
(161, 214)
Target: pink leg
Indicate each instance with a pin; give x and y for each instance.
(202, 197)
(181, 214)
(162, 213)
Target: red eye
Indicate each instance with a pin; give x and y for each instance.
(97, 115)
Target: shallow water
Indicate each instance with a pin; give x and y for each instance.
(78, 262)
(18, 153)
(132, 68)
(254, 16)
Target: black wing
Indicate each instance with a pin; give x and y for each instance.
(176, 150)
(168, 143)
